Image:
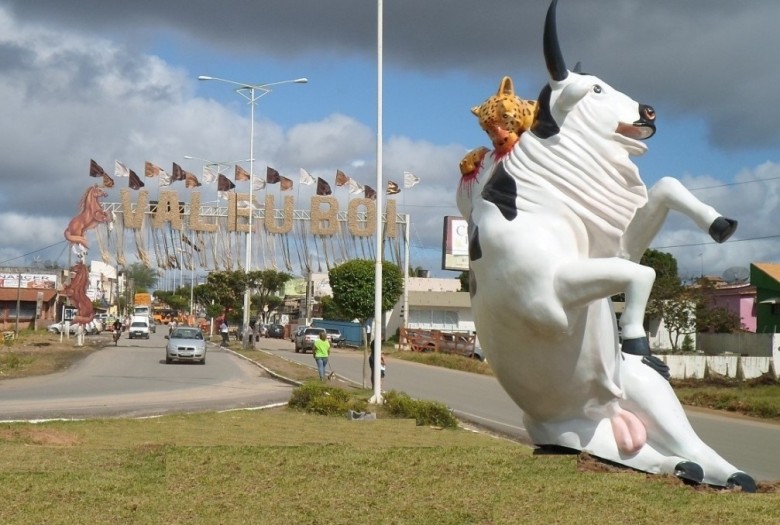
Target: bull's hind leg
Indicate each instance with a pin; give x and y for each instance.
(583, 281)
(591, 279)
(669, 194)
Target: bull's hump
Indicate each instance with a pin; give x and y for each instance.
(501, 190)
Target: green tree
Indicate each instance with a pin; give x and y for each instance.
(679, 315)
(331, 310)
(144, 279)
(667, 283)
(711, 318)
(464, 281)
(266, 286)
(353, 285)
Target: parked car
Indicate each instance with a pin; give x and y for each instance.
(94, 327)
(450, 343)
(298, 331)
(139, 328)
(276, 331)
(305, 340)
(56, 328)
(335, 337)
(186, 344)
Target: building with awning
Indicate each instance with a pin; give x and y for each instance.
(766, 278)
(28, 297)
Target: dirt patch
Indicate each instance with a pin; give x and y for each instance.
(41, 353)
(39, 436)
(588, 463)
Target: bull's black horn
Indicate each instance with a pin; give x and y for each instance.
(552, 50)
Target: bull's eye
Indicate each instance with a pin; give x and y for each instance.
(596, 88)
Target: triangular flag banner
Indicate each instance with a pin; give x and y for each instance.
(152, 170)
(369, 192)
(224, 184)
(258, 184)
(355, 188)
(242, 175)
(94, 169)
(108, 182)
(341, 178)
(209, 175)
(190, 181)
(165, 178)
(178, 173)
(120, 170)
(285, 184)
(306, 178)
(323, 188)
(410, 179)
(392, 188)
(135, 182)
(272, 176)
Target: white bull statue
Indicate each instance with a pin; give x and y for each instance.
(556, 227)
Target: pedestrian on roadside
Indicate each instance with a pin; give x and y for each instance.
(223, 330)
(371, 365)
(321, 353)
(172, 327)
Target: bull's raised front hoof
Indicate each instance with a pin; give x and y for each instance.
(743, 481)
(637, 346)
(722, 228)
(689, 472)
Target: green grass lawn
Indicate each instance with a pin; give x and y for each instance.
(286, 467)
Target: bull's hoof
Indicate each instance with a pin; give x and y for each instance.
(637, 346)
(743, 481)
(722, 228)
(689, 472)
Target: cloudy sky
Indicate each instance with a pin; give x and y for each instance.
(87, 79)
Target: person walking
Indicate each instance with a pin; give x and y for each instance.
(223, 330)
(321, 353)
(371, 365)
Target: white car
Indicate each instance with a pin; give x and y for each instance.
(186, 344)
(139, 328)
(92, 328)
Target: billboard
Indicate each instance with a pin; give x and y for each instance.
(29, 280)
(455, 244)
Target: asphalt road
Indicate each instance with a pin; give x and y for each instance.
(750, 444)
(132, 379)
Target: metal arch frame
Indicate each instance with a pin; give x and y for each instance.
(258, 213)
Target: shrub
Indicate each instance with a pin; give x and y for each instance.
(321, 398)
(423, 412)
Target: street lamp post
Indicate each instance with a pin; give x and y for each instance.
(250, 92)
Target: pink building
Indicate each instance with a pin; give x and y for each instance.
(739, 299)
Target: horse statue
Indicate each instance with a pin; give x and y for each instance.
(90, 214)
(557, 226)
(76, 291)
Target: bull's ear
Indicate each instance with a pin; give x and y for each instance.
(569, 97)
(544, 125)
(577, 67)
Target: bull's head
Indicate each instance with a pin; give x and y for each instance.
(607, 110)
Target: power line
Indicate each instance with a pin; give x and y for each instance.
(731, 241)
(32, 252)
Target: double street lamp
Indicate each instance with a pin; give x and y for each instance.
(252, 93)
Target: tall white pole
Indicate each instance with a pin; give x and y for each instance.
(252, 97)
(248, 256)
(405, 320)
(377, 331)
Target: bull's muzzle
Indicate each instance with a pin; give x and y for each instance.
(646, 121)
